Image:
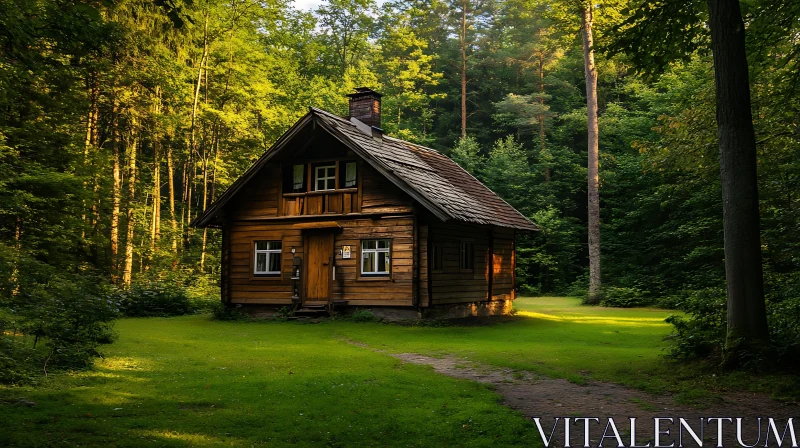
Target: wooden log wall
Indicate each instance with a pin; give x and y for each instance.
(452, 284)
(503, 264)
(455, 285)
(379, 195)
(259, 198)
(350, 285)
(243, 285)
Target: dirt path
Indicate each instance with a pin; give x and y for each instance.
(548, 398)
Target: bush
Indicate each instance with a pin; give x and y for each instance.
(623, 297)
(362, 315)
(53, 322)
(220, 311)
(152, 299)
(702, 335)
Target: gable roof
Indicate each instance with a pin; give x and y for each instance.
(432, 179)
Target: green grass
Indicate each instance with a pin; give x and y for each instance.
(191, 381)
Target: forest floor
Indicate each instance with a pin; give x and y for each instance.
(191, 381)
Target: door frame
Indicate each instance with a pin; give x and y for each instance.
(307, 233)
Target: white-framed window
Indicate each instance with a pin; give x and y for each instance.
(375, 255)
(325, 177)
(467, 256)
(267, 258)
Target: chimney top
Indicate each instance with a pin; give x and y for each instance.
(365, 106)
(362, 92)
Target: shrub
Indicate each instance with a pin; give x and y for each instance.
(623, 297)
(150, 299)
(203, 304)
(223, 312)
(703, 334)
(53, 322)
(362, 315)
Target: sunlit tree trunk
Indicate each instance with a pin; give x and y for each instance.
(541, 115)
(116, 191)
(747, 317)
(590, 72)
(131, 217)
(463, 46)
(171, 181)
(155, 224)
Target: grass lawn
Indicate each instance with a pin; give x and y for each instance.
(191, 381)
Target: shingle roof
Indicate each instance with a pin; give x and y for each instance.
(438, 183)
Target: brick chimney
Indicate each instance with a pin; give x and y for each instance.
(365, 106)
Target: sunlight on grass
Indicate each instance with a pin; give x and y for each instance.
(634, 321)
(188, 438)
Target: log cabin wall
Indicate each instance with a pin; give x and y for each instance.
(493, 265)
(379, 195)
(452, 283)
(503, 264)
(349, 283)
(243, 285)
(259, 198)
(358, 289)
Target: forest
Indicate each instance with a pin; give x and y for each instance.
(122, 120)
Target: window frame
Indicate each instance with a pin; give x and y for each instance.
(343, 174)
(254, 273)
(326, 178)
(437, 249)
(466, 252)
(380, 275)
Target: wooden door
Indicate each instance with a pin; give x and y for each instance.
(319, 265)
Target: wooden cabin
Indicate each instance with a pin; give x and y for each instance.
(337, 214)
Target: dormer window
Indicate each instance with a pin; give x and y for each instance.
(350, 177)
(325, 177)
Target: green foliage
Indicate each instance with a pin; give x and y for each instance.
(150, 299)
(52, 322)
(362, 315)
(223, 312)
(623, 297)
(467, 153)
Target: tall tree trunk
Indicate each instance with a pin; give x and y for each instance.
(590, 72)
(463, 44)
(14, 280)
(131, 218)
(192, 132)
(171, 181)
(91, 124)
(155, 225)
(541, 115)
(116, 191)
(747, 317)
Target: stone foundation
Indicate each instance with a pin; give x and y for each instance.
(453, 311)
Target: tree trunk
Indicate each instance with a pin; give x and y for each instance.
(541, 115)
(590, 72)
(747, 317)
(14, 280)
(131, 219)
(155, 225)
(463, 44)
(116, 192)
(171, 181)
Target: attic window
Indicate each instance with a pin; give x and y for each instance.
(325, 177)
(349, 175)
(297, 177)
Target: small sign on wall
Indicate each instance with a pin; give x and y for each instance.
(345, 251)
